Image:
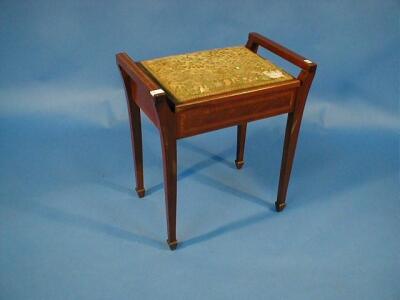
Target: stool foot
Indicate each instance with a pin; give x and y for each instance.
(140, 192)
(172, 245)
(239, 164)
(279, 206)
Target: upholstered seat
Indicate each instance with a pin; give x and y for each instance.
(187, 77)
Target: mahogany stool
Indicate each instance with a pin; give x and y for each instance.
(189, 94)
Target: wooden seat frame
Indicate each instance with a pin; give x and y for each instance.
(179, 120)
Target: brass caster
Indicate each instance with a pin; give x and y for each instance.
(140, 192)
(239, 164)
(172, 245)
(280, 206)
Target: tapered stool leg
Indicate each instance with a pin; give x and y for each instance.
(289, 149)
(170, 186)
(291, 136)
(136, 135)
(241, 140)
(168, 144)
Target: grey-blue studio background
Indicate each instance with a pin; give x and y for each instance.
(71, 225)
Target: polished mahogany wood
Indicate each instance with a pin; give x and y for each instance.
(142, 84)
(168, 145)
(237, 108)
(291, 136)
(136, 134)
(240, 140)
(233, 110)
(256, 40)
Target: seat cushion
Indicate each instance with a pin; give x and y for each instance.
(187, 77)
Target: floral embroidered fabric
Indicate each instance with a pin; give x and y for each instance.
(190, 76)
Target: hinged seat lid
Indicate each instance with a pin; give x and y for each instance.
(187, 77)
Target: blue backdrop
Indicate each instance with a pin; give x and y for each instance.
(71, 226)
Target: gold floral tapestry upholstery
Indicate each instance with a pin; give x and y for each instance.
(190, 76)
